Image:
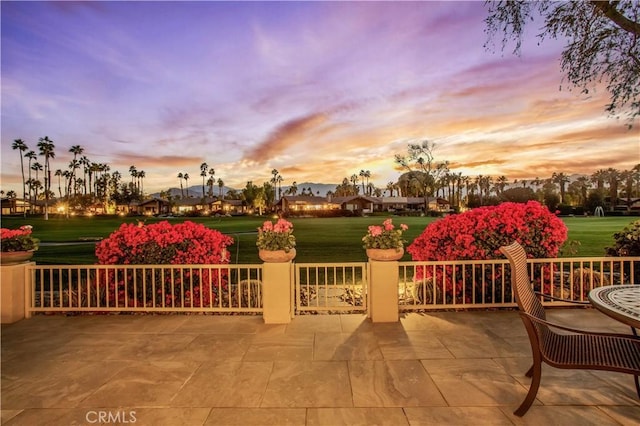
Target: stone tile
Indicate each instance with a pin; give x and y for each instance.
(392, 384)
(315, 323)
(588, 319)
(346, 346)
(478, 344)
(225, 384)
(64, 386)
(205, 347)
(355, 322)
(169, 323)
(355, 416)
(221, 324)
(308, 384)
(574, 387)
(105, 324)
(150, 347)
(460, 416)
(142, 384)
(412, 345)
(474, 382)
(561, 415)
(47, 417)
(427, 322)
(168, 416)
(580, 387)
(6, 415)
(112, 415)
(295, 347)
(626, 416)
(257, 416)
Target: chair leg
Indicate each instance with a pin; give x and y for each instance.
(529, 372)
(635, 379)
(536, 369)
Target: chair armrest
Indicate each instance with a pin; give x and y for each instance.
(548, 296)
(579, 331)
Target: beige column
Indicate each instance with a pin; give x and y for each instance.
(277, 285)
(12, 292)
(383, 291)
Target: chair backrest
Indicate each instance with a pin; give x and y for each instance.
(520, 282)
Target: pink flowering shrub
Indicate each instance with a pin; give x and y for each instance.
(386, 236)
(17, 239)
(276, 236)
(185, 243)
(478, 235)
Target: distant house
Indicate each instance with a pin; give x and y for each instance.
(232, 207)
(300, 203)
(414, 203)
(14, 206)
(190, 205)
(154, 206)
(358, 203)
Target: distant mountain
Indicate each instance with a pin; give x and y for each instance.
(194, 191)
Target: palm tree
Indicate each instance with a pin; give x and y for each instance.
(36, 167)
(74, 165)
(362, 175)
(31, 155)
(220, 186)
(22, 147)
(58, 173)
(141, 176)
(598, 178)
(186, 182)
(354, 181)
(274, 182)
(500, 184)
(561, 179)
(293, 189)
(211, 181)
(11, 196)
(613, 176)
(279, 181)
(203, 173)
(180, 177)
(583, 185)
(46, 147)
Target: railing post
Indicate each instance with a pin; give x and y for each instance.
(277, 284)
(383, 291)
(13, 296)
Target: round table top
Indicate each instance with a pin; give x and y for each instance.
(621, 302)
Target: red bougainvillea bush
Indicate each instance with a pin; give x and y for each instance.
(478, 235)
(185, 243)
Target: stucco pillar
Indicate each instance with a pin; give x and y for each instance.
(12, 292)
(277, 285)
(383, 291)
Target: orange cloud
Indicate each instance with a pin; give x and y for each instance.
(284, 136)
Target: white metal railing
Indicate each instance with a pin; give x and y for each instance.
(331, 287)
(487, 283)
(315, 287)
(144, 288)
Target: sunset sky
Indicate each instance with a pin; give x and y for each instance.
(316, 90)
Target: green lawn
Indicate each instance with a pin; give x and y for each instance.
(318, 240)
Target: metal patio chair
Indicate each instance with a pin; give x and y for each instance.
(571, 349)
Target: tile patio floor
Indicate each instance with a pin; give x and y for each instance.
(448, 368)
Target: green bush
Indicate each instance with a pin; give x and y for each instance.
(627, 241)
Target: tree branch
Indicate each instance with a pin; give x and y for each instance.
(609, 10)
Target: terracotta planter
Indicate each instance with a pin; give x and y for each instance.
(13, 257)
(272, 256)
(385, 255)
